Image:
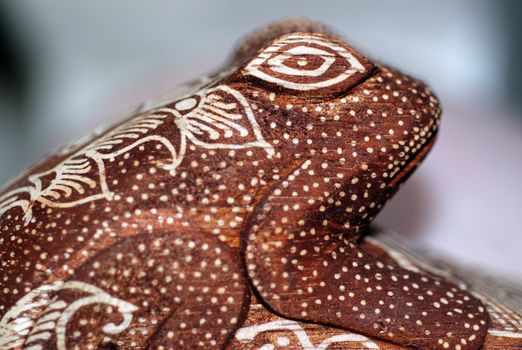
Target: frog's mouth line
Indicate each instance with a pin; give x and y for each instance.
(402, 175)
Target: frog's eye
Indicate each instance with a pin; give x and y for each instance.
(312, 63)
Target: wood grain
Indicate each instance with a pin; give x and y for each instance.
(246, 196)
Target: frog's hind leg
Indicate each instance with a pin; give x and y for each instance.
(188, 290)
(305, 265)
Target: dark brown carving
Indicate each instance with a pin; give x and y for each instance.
(153, 233)
(503, 300)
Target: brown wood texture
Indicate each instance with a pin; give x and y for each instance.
(502, 299)
(246, 196)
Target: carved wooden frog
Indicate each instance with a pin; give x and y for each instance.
(155, 232)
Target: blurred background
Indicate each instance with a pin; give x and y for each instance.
(66, 67)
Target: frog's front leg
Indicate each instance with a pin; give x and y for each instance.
(303, 258)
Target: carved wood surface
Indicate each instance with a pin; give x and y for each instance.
(502, 299)
(235, 214)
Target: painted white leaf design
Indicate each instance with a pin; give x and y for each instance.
(221, 117)
(214, 118)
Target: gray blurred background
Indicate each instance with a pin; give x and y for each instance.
(66, 67)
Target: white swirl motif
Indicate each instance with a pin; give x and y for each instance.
(213, 118)
(304, 62)
(247, 334)
(36, 315)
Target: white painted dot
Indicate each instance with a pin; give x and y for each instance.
(186, 104)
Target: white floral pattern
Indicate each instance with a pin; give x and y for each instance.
(38, 314)
(211, 121)
(247, 334)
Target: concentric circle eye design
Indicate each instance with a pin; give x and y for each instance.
(306, 62)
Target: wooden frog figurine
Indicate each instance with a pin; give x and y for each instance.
(154, 233)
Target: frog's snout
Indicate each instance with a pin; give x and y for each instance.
(403, 174)
(411, 126)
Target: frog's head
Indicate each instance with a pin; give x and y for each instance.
(363, 126)
(307, 98)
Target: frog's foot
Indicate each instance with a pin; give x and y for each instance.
(187, 291)
(336, 282)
